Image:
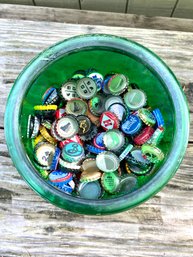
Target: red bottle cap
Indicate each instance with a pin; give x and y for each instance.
(75, 138)
(109, 120)
(145, 135)
(60, 113)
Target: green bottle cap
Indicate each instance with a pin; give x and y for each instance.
(135, 99)
(117, 84)
(140, 171)
(107, 161)
(147, 117)
(89, 190)
(157, 136)
(114, 140)
(97, 104)
(86, 88)
(110, 182)
(152, 153)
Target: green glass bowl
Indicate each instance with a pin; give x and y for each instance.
(106, 53)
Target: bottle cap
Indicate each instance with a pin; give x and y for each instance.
(135, 99)
(93, 149)
(144, 135)
(89, 135)
(72, 152)
(136, 158)
(54, 132)
(44, 173)
(67, 165)
(94, 119)
(66, 127)
(66, 188)
(117, 84)
(128, 184)
(157, 136)
(159, 118)
(44, 153)
(89, 190)
(86, 88)
(51, 107)
(47, 136)
(50, 96)
(97, 104)
(38, 139)
(126, 151)
(59, 176)
(68, 90)
(32, 126)
(104, 85)
(119, 110)
(61, 112)
(46, 123)
(76, 106)
(131, 125)
(110, 182)
(152, 153)
(107, 161)
(114, 140)
(75, 138)
(84, 124)
(112, 100)
(146, 116)
(109, 120)
(79, 74)
(98, 141)
(97, 77)
(90, 171)
(55, 159)
(140, 171)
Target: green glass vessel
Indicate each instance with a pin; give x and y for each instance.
(105, 53)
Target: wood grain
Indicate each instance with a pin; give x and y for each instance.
(74, 4)
(107, 6)
(93, 18)
(32, 227)
(184, 9)
(151, 7)
(27, 2)
(161, 227)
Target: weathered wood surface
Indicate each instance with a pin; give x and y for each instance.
(31, 227)
(34, 13)
(107, 6)
(151, 7)
(184, 9)
(74, 4)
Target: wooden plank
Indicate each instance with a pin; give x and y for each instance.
(151, 7)
(32, 227)
(74, 4)
(107, 6)
(93, 17)
(27, 2)
(184, 9)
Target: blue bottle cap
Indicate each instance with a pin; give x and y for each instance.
(131, 125)
(98, 141)
(93, 149)
(66, 188)
(159, 118)
(97, 77)
(55, 159)
(59, 176)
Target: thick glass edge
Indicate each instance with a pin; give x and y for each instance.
(105, 206)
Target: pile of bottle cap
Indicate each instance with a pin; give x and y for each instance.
(94, 136)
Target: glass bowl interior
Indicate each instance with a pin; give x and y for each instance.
(105, 58)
